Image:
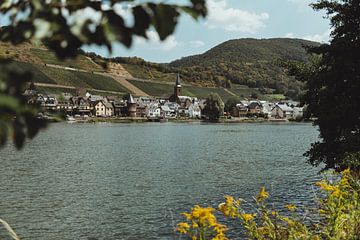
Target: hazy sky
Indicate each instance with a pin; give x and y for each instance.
(229, 19)
(232, 19)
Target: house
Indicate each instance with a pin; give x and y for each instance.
(94, 98)
(104, 109)
(240, 110)
(282, 111)
(153, 110)
(165, 111)
(255, 107)
(65, 104)
(266, 109)
(173, 108)
(194, 111)
(83, 106)
(120, 108)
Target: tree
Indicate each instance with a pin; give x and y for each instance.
(214, 107)
(231, 103)
(333, 87)
(64, 27)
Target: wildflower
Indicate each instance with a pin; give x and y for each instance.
(229, 207)
(291, 207)
(183, 227)
(325, 186)
(187, 215)
(262, 195)
(274, 213)
(247, 216)
(229, 200)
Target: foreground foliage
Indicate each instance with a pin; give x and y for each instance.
(17, 119)
(64, 27)
(333, 86)
(338, 212)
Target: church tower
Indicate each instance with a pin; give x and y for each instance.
(177, 88)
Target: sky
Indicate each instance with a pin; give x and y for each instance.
(226, 20)
(231, 19)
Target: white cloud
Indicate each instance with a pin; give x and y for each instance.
(196, 44)
(233, 19)
(154, 41)
(323, 38)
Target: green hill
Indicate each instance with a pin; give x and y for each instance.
(244, 67)
(251, 62)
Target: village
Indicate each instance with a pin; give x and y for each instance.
(84, 106)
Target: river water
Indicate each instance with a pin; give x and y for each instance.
(132, 181)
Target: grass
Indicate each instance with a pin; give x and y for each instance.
(276, 97)
(81, 62)
(143, 72)
(154, 89)
(60, 90)
(82, 79)
(37, 76)
(159, 89)
(55, 91)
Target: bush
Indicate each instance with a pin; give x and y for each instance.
(339, 211)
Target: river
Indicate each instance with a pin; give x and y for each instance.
(132, 181)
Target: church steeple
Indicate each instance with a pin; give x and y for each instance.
(178, 80)
(177, 88)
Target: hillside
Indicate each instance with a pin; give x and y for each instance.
(53, 76)
(250, 62)
(241, 67)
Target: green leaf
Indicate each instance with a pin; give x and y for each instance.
(142, 21)
(164, 19)
(9, 102)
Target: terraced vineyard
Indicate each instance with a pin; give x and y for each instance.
(143, 72)
(38, 76)
(159, 89)
(81, 62)
(82, 79)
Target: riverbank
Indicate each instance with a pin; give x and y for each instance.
(180, 120)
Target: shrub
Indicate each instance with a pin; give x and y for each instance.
(339, 211)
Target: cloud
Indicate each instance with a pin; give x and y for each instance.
(322, 38)
(196, 44)
(155, 43)
(233, 19)
(289, 35)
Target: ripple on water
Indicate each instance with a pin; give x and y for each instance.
(108, 181)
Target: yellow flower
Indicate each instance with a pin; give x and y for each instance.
(229, 200)
(247, 216)
(291, 207)
(274, 213)
(187, 215)
(262, 195)
(193, 238)
(325, 186)
(183, 227)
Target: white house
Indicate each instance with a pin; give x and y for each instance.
(266, 108)
(153, 110)
(282, 111)
(165, 111)
(194, 111)
(104, 109)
